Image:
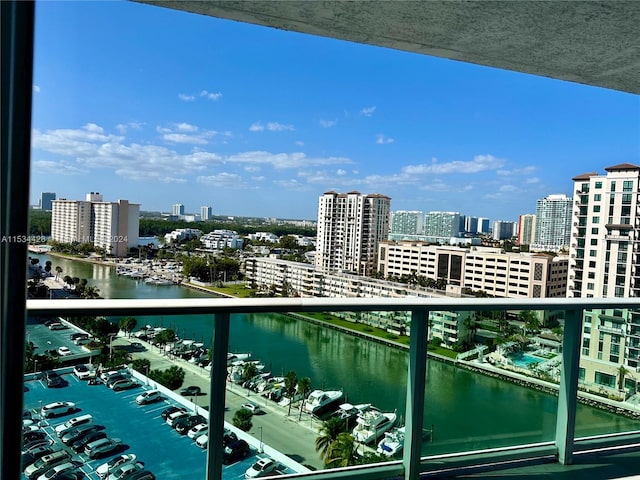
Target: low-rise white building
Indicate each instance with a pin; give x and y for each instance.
(264, 237)
(219, 239)
(182, 234)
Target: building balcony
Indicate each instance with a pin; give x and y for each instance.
(550, 444)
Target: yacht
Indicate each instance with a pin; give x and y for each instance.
(234, 357)
(371, 424)
(237, 369)
(158, 281)
(392, 443)
(321, 400)
(347, 411)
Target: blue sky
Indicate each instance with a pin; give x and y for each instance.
(161, 107)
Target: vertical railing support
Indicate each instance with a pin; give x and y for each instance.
(416, 377)
(568, 393)
(217, 391)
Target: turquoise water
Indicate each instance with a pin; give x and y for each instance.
(524, 360)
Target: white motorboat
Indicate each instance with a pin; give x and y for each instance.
(320, 400)
(371, 424)
(392, 443)
(347, 411)
(158, 281)
(234, 357)
(237, 369)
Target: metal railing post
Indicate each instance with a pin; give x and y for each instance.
(217, 394)
(568, 393)
(416, 377)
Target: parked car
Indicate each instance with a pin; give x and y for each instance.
(125, 470)
(52, 379)
(56, 409)
(64, 351)
(103, 447)
(72, 422)
(72, 475)
(33, 454)
(261, 468)
(46, 462)
(57, 326)
(116, 378)
(149, 396)
(82, 341)
(33, 435)
(82, 372)
(252, 407)
(26, 447)
(77, 433)
(115, 462)
(55, 472)
(183, 425)
(235, 451)
(190, 391)
(75, 335)
(169, 410)
(124, 384)
(203, 440)
(142, 475)
(137, 346)
(197, 430)
(80, 444)
(174, 417)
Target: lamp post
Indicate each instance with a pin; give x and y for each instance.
(261, 449)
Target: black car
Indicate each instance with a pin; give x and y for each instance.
(34, 435)
(39, 442)
(172, 409)
(235, 451)
(78, 432)
(228, 437)
(34, 454)
(79, 444)
(183, 425)
(191, 391)
(52, 379)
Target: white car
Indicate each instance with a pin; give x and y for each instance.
(203, 440)
(252, 407)
(83, 372)
(125, 470)
(57, 471)
(123, 384)
(114, 463)
(149, 396)
(261, 468)
(57, 408)
(198, 430)
(64, 351)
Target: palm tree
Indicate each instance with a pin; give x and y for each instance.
(90, 292)
(328, 433)
(304, 387)
(341, 451)
(58, 272)
(622, 373)
(290, 384)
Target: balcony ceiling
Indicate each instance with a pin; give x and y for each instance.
(588, 42)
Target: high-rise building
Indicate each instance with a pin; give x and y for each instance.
(177, 209)
(405, 222)
(350, 226)
(504, 230)
(605, 263)
(470, 224)
(526, 229)
(484, 225)
(45, 200)
(442, 224)
(205, 213)
(113, 226)
(553, 222)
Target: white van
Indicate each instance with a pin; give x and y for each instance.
(73, 422)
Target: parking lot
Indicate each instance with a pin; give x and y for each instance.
(45, 339)
(141, 429)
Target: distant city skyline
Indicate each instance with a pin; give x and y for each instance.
(261, 122)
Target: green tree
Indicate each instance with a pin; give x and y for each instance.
(290, 383)
(127, 325)
(164, 337)
(622, 373)
(304, 388)
(242, 420)
(249, 370)
(530, 321)
(327, 434)
(141, 365)
(341, 451)
(58, 272)
(171, 378)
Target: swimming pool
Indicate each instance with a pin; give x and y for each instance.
(524, 360)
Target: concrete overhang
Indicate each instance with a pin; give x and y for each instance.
(589, 42)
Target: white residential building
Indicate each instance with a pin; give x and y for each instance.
(182, 234)
(442, 224)
(264, 237)
(177, 209)
(504, 230)
(350, 226)
(605, 262)
(526, 229)
(553, 222)
(404, 222)
(113, 226)
(206, 213)
(219, 239)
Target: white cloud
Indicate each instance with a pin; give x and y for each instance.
(124, 127)
(328, 123)
(270, 126)
(368, 111)
(36, 89)
(382, 139)
(223, 180)
(184, 138)
(57, 168)
(185, 127)
(341, 172)
(291, 184)
(532, 180)
(252, 168)
(517, 171)
(284, 160)
(299, 143)
(211, 96)
(508, 188)
(479, 163)
(186, 98)
(176, 134)
(256, 127)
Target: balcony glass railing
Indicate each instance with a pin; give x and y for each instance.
(454, 413)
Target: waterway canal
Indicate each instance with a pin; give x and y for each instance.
(467, 410)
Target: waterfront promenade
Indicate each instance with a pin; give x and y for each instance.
(294, 438)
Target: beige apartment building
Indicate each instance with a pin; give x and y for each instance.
(491, 270)
(113, 226)
(605, 262)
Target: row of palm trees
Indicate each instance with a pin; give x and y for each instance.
(338, 448)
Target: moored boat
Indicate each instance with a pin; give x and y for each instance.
(371, 424)
(321, 400)
(392, 443)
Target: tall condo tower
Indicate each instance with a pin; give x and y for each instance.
(553, 222)
(350, 226)
(605, 262)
